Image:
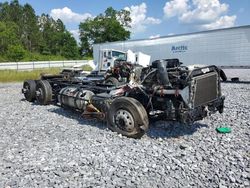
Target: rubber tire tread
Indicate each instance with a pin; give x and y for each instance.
(47, 91)
(31, 96)
(137, 111)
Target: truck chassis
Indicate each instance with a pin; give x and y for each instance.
(165, 90)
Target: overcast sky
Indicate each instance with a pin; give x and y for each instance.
(152, 18)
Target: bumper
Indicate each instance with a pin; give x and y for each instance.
(200, 112)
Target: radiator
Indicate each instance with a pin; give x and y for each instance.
(205, 88)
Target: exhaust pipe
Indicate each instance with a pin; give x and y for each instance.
(163, 73)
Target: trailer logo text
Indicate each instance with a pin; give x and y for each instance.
(176, 49)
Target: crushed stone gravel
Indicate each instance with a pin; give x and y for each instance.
(48, 146)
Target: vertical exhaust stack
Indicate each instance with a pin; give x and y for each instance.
(163, 73)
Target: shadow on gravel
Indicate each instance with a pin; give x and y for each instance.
(69, 113)
(157, 129)
(237, 82)
(164, 129)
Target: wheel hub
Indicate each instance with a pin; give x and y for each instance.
(124, 120)
(26, 89)
(39, 93)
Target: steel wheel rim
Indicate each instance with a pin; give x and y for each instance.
(40, 94)
(124, 120)
(27, 89)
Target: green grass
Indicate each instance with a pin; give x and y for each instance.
(87, 58)
(39, 57)
(19, 76)
(87, 68)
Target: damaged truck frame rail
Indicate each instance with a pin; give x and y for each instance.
(166, 90)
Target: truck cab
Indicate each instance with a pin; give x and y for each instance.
(108, 57)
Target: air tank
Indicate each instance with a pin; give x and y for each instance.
(74, 97)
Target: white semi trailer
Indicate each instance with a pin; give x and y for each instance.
(221, 47)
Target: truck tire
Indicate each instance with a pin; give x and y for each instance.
(29, 90)
(128, 117)
(43, 92)
(112, 80)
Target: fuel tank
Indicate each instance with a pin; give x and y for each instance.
(74, 97)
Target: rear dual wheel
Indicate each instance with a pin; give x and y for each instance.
(29, 90)
(128, 117)
(43, 92)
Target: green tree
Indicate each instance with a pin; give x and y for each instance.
(111, 26)
(46, 25)
(8, 36)
(56, 39)
(25, 19)
(12, 13)
(21, 29)
(15, 52)
(31, 36)
(70, 49)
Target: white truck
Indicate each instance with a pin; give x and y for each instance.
(107, 58)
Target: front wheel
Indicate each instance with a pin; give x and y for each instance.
(128, 117)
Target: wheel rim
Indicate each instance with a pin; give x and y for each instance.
(27, 86)
(124, 120)
(39, 94)
(27, 89)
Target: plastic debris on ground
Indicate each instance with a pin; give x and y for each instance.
(223, 130)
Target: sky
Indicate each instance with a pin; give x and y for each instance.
(151, 18)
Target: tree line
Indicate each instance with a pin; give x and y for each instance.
(27, 36)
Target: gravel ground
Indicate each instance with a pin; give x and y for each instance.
(243, 74)
(47, 146)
